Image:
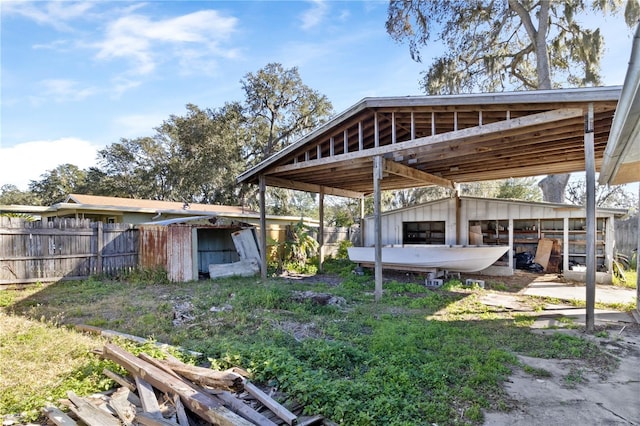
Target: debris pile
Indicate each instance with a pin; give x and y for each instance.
(170, 392)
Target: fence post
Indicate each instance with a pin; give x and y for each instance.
(99, 248)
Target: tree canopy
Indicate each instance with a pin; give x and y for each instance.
(492, 46)
(498, 45)
(196, 156)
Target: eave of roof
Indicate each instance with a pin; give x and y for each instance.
(555, 206)
(621, 162)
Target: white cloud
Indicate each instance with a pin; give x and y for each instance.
(64, 90)
(146, 42)
(21, 163)
(314, 15)
(53, 13)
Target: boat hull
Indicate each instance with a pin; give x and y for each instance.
(451, 258)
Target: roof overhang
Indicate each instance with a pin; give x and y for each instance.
(622, 156)
(443, 140)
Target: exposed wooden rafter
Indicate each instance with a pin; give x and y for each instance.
(424, 178)
(309, 187)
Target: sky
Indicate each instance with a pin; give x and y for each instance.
(78, 76)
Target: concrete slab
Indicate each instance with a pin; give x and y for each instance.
(558, 290)
(578, 316)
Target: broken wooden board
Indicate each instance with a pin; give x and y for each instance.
(242, 268)
(119, 402)
(224, 380)
(475, 235)
(200, 403)
(543, 252)
(58, 417)
(271, 404)
(89, 413)
(246, 242)
(148, 398)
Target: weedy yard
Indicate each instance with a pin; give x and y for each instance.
(419, 356)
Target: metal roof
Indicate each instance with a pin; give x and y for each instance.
(622, 155)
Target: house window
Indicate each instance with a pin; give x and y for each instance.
(429, 232)
(111, 219)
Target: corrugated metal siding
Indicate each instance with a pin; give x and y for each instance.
(153, 246)
(215, 246)
(179, 253)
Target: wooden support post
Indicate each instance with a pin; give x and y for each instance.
(638, 258)
(361, 206)
(458, 224)
(565, 244)
(99, 248)
(393, 127)
(377, 219)
(321, 229)
(263, 226)
(590, 168)
(376, 130)
(511, 250)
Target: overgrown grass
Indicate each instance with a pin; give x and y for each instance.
(435, 355)
(629, 280)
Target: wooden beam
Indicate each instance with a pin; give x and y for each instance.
(263, 225)
(501, 129)
(408, 172)
(310, 187)
(590, 207)
(377, 219)
(201, 404)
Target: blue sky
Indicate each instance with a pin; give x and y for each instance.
(77, 76)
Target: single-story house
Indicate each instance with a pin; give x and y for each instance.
(183, 238)
(519, 224)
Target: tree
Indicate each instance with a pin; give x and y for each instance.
(57, 183)
(414, 196)
(135, 168)
(519, 189)
(10, 194)
(515, 44)
(280, 109)
(192, 158)
(606, 196)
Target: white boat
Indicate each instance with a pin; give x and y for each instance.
(449, 257)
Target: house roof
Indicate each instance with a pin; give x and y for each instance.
(153, 205)
(556, 206)
(427, 140)
(622, 156)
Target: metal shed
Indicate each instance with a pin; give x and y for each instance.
(186, 246)
(519, 224)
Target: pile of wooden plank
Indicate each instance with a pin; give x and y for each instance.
(170, 392)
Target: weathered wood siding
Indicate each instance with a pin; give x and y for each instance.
(180, 252)
(627, 235)
(63, 249)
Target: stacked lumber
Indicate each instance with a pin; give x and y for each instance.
(169, 392)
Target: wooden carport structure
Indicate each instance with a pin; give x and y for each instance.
(389, 143)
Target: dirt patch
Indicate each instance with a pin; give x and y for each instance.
(574, 393)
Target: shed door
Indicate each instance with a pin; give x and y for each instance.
(179, 254)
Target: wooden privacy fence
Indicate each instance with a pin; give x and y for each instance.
(64, 249)
(627, 235)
